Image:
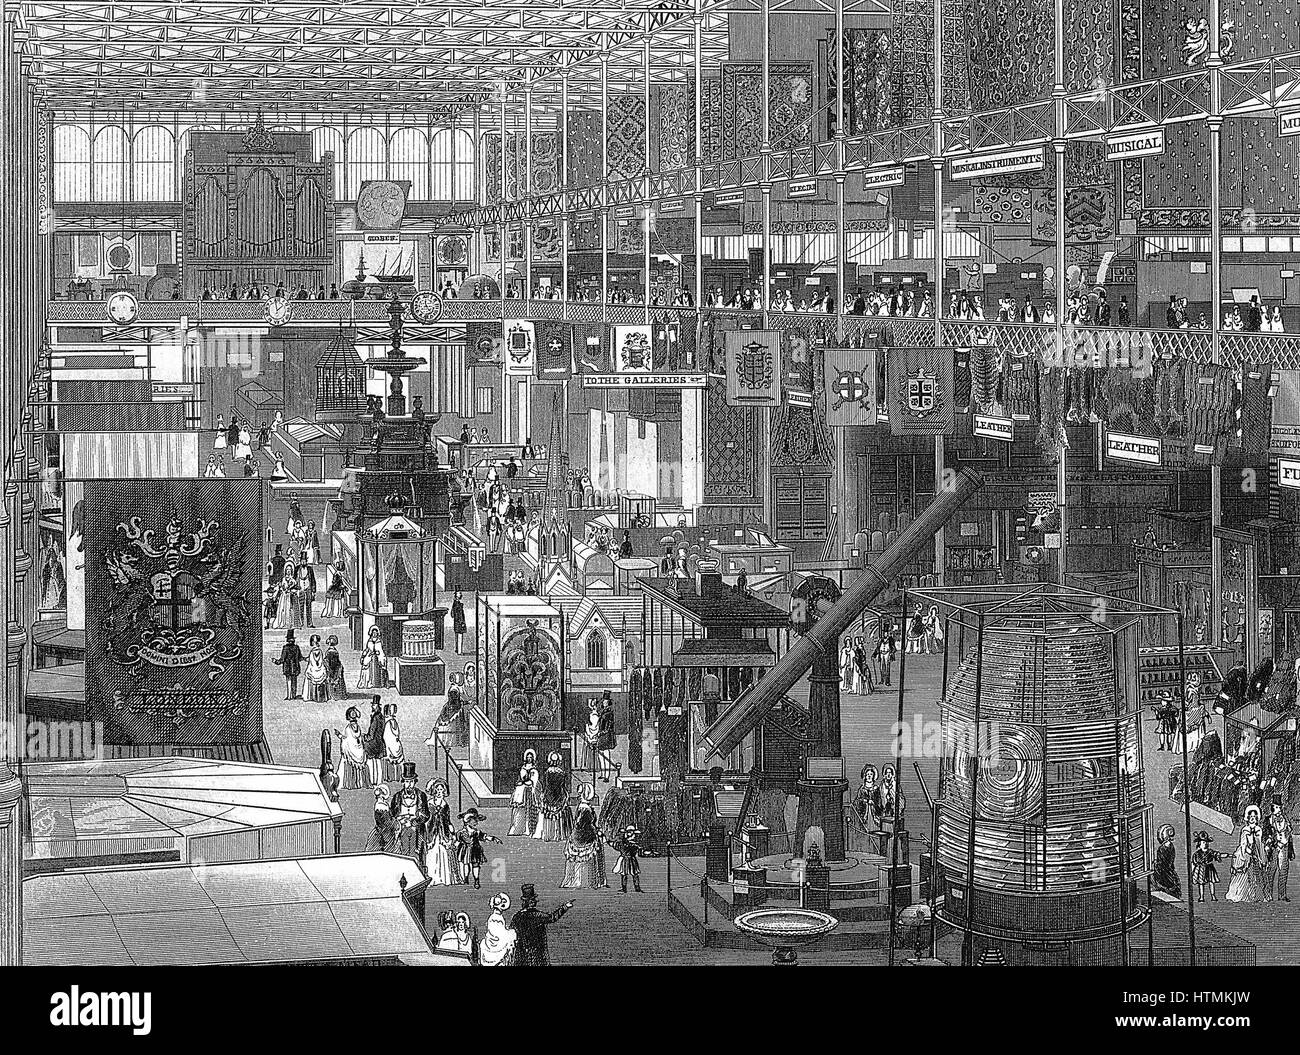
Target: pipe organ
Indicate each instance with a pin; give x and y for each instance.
(258, 208)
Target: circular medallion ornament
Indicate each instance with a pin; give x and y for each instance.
(426, 307)
(122, 307)
(810, 600)
(381, 204)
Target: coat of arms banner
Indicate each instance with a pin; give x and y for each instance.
(173, 638)
(753, 375)
(921, 391)
(851, 386)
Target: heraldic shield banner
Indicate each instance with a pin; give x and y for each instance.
(851, 386)
(173, 634)
(754, 368)
(920, 391)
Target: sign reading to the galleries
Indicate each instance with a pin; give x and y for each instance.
(1121, 447)
(647, 380)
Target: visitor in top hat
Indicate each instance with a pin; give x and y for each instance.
(410, 812)
(529, 925)
(1279, 851)
(374, 742)
(290, 664)
(1204, 872)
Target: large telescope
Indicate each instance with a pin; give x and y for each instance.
(734, 724)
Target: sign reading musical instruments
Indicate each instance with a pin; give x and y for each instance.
(1288, 472)
(647, 380)
(1124, 448)
(893, 176)
(992, 428)
(993, 164)
(1127, 145)
(1288, 123)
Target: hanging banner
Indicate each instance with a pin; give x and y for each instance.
(753, 358)
(851, 386)
(521, 347)
(995, 164)
(921, 391)
(554, 349)
(173, 627)
(632, 349)
(1144, 450)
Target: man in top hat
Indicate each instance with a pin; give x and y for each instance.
(290, 664)
(373, 742)
(409, 810)
(1279, 852)
(529, 925)
(629, 858)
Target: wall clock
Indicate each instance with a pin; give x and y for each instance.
(122, 307)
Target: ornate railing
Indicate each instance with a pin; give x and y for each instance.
(1042, 339)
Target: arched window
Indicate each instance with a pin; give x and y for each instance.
(153, 168)
(71, 163)
(109, 166)
(464, 188)
(330, 140)
(596, 650)
(367, 158)
(408, 159)
(442, 167)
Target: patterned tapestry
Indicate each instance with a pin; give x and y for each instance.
(912, 60)
(546, 162)
(732, 463)
(1000, 204)
(674, 127)
(625, 137)
(711, 120)
(870, 100)
(1089, 199)
(1259, 170)
(1009, 54)
(492, 166)
(584, 132)
(584, 234)
(173, 631)
(790, 107)
(1090, 48)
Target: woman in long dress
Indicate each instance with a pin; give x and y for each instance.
(394, 753)
(219, 442)
(497, 946)
(287, 608)
(915, 631)
(1247, 882)
(521, 804)
(584, 853)
(591, 739)
(933, 630)
(317, 681)
(554, 821)
(352, 753)
(374, 663)
(438, 856)
(335, 675)
(336, 594)
(846, 666)
(1165, 875)
(244, 448)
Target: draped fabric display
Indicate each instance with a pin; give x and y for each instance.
(1212, 404)
(1020, 388)
(852, 396)
(961, 381)
(483, 341)
(921, 391)
(1170, 411)
(986, 379)
(1256, 408)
